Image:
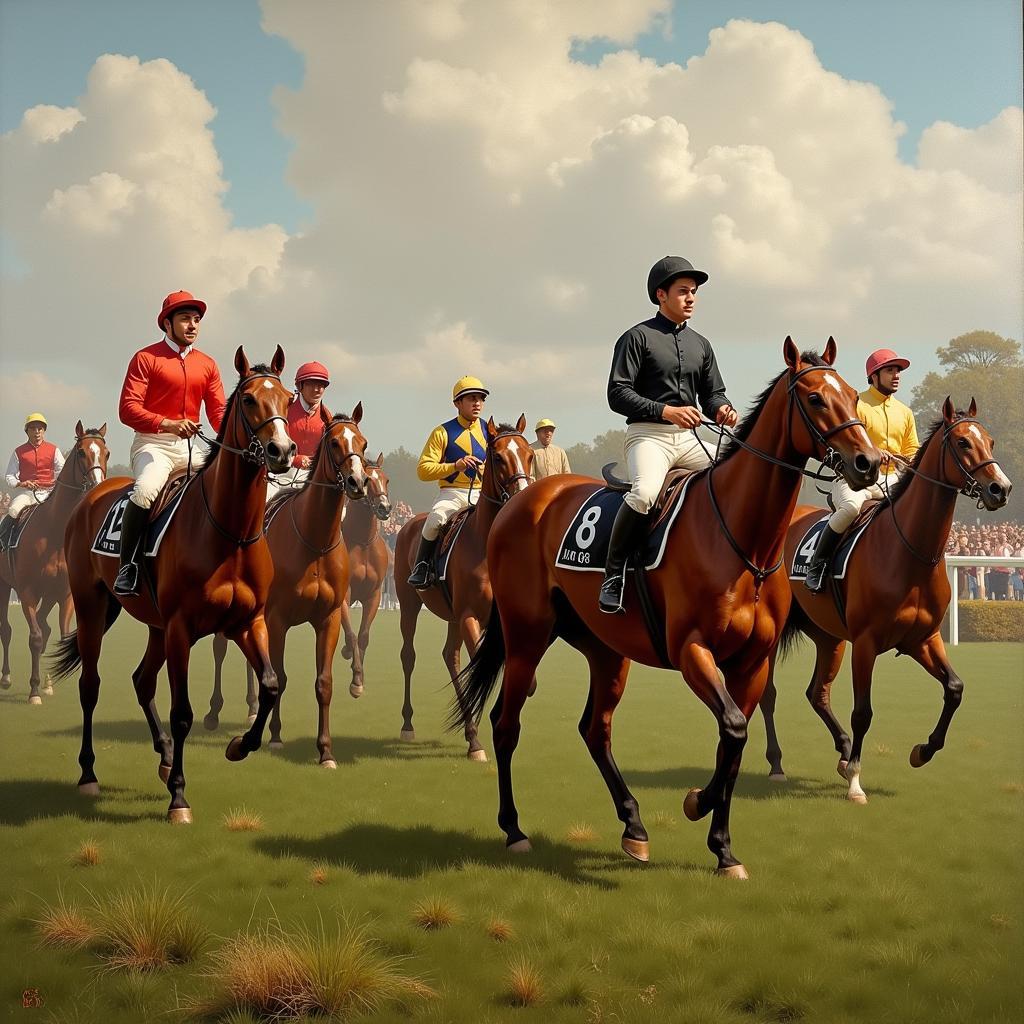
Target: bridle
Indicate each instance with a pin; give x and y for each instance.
(256, 451)
(505, 493)
(87, 484)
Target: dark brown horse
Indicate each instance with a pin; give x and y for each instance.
(212, 574)
(894, 592)
(367, 564)
(719, 601)
(37, 572)
(465, 600)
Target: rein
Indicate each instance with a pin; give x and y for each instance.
(505, 494)
(86, 484)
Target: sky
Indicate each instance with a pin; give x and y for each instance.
(417, 189)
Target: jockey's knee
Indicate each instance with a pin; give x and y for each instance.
(641, 498)
(432, 525)
(144, 494)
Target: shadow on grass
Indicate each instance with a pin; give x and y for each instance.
(26, 800)
(416, 851)
(749, 786)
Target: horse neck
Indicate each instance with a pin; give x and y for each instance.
(66, 492)
(757, 498)
(318, 509)
(361, 524)
(235, 488)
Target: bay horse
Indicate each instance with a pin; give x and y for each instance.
(895, 591)
(36, 570)
(717, 597)
(465, 601)
(211, 574)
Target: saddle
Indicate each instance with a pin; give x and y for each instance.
(12, 534)
(670, 489)
(170, 490)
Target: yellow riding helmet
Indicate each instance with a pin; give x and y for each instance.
(468, 386)
(541, 424)
(36, 417)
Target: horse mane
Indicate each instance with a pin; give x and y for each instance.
(746, 425)
(338, 417)
(228, 408)
(505, 428)
(898, 488)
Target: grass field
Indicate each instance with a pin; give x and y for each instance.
(908, 909)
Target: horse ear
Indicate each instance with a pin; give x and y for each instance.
(380, 460)
(102, 431)
(79, 430)
(791, 353)
(241, 363)
(972, 411)
(829, 355)
(948, 410)
(492, 430)
(277, 363)
(357, 413)
(521, 422)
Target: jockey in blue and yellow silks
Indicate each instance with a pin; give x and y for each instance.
(454, 457)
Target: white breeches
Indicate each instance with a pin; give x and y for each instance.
(452, 500)
(23, 499)
(293, 478)
(849, 502)
(154, 457)
(652, 449)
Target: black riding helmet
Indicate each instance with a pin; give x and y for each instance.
(666, 270)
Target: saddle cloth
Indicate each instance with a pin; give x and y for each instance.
(108, 539)
(18, 529)
(452, 529)
(584, 546)
(805, 549)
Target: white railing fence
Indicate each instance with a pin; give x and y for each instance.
(954, 562)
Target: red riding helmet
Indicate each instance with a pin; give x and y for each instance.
(884, 357)
(312, 371)
(176, 301)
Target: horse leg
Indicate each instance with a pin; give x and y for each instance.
(773, 750)
(351, 650)
(5, 634)
(864, 655)
(177, 646)
(931, 656)
(144, 678)
(468, 632)
(29, 604)
(42, 617)
(252, 699)
(409, 610)
(326, 644)
(220, 650)
(254, 644)
(369, 613)
(91, 623)
(277, 632)
(827, 662)
(702, 675)
(67, 613)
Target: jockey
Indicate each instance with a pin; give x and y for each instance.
(453, 456)
(160, 398)
(892, 430)
(661, 370)
(34, 467)
(307, 419)
(549, 459)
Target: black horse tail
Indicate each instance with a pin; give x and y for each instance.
(476, 681)
(67, 657)
(793, 630)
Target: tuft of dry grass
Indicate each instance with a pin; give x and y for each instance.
(523, 985)
(882, 750)
(1013, 788)
(434, 913)
(663, 819)
(319, 873)
(581, 832)
(63, 925)
(499, 930)
(270, 973)
(87, 855)
(241, 820)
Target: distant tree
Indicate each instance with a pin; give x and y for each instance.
(989, 368)
(118, 469)
(588, 459)
(405, 485)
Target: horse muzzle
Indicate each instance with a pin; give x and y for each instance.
(995, 493)
(279, 456)
(862, 470)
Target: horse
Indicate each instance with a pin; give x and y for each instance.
(894, 593)
(211, 574)
(719, 603)
(368, 556)
(464, 602)
(36, 569)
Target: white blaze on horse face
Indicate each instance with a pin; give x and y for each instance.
(975, 431)
(520, 483)
(830, 378)
(96, 469)
(268, 384)
(862, 433)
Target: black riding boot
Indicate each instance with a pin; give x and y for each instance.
(627, 531)
(133, 525)
(6, 529)
(423, 571)
(818, 569)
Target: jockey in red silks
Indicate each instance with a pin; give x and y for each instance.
(307, 419)
(160, 398)
(33, 469)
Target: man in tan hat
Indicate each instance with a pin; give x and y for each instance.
(550, 459)
(32, 470)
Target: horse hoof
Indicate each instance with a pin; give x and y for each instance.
(210, 722)
(841, 768)
(276, 746)
(477, 755)
(235, 751)
(5, 681)
(47, 690)
(691, 807)
(250, 720)
(777, 777)
(180, 815)
(917, 758)
(329, 763)
(638, 849)
(164, 771)
(520, 846)
(407, 735)
(857, 798)
(89, 788)
(733, 871)
(35, 699)
(356, 691)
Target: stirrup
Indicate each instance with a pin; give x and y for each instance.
(419, 578)
(126, 583)
(613, 591)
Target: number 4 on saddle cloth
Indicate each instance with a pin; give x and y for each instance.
(841, 559)
(108, 539)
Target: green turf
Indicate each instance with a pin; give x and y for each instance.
(908, 909)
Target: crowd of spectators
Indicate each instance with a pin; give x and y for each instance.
(993, 583)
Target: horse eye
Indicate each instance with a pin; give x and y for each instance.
(815, 399)
(964, 443)
(248, 400)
